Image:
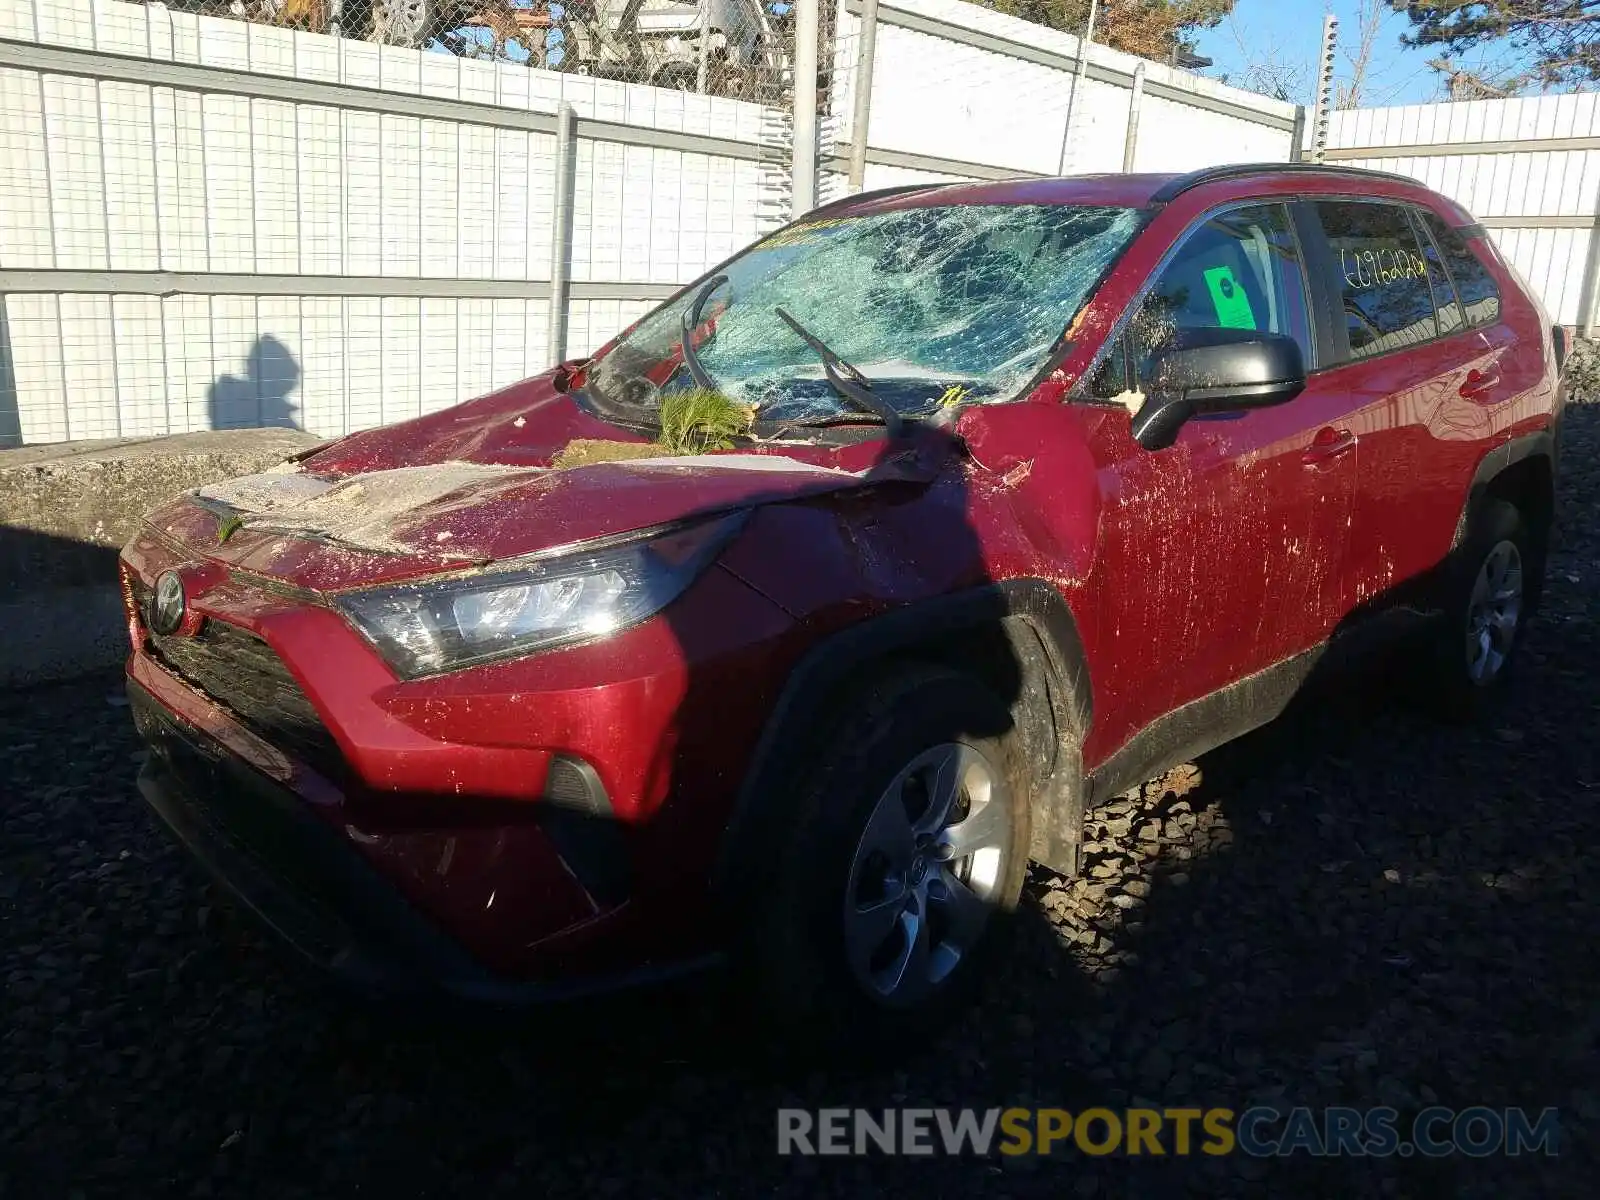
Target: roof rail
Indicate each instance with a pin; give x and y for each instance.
(875, 194)
(1174, 188)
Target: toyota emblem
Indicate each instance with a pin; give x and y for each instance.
(167, 606)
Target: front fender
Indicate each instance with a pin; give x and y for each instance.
(1036, 627)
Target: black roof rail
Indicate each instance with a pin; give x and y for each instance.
(875, 194)
(1174, 188)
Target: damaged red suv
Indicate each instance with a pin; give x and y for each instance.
(1017, 493)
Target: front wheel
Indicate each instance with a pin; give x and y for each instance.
(898, 860)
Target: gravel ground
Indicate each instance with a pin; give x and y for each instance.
(1355, 906)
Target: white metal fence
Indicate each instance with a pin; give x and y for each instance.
(208, 222)
(961, 92)
(1528, 169)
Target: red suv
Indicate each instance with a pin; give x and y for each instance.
(1031, 490)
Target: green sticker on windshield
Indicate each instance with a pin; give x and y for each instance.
(1232, 305)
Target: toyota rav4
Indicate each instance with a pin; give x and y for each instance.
(991, 500)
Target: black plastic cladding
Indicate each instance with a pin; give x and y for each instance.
(1007, 607)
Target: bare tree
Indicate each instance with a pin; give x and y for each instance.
(1278, 72)
(1371, 16)
(1463, 84)
(1270, 72)
(1153, 29)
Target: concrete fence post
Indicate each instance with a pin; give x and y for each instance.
(1130, 143)
(1325, 96)
(702, 68)
(1085, 39)
(803, 152)
(1591, 278)
(866, 52)
(561, 235)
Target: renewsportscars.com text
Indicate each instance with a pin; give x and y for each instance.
(1260, 1132)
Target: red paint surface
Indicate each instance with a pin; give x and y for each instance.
(1246, 542)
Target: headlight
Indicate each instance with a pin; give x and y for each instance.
(531, 604)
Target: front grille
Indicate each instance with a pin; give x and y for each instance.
(241, 673)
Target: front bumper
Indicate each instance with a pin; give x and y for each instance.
(297, 874)
(554, 816)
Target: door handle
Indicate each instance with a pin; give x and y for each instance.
(1328, 445)
(1479, 384)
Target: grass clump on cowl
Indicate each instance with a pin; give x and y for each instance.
(692, 422)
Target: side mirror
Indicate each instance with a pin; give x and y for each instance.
(1212, 371)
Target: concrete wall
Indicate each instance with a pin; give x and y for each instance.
(65, 510)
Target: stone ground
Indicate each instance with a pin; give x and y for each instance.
(1355, 906)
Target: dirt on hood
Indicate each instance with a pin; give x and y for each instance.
(359, 511)
(324, 531)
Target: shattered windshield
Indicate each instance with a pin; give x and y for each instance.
(930, 305)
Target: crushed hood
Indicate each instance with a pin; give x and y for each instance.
(331, 521)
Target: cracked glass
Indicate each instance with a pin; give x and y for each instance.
(931, 305)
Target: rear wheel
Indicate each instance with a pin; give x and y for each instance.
(898, 858)
(1494, 613)
(1486, 609)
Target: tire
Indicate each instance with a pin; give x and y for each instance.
(403, 23)
(843, 870)
(1490, 592)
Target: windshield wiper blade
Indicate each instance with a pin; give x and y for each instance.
(850, 383)
(691, 319)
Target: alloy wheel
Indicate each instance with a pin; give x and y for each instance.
(925, 872)
(1493, 612)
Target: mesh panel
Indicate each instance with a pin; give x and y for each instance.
(241, 673)
(735, 48)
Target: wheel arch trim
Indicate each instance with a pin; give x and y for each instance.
(1016, 607)
(1541, 443)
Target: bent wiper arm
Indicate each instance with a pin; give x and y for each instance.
(850, 383)
(691, 319)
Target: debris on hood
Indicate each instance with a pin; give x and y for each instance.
(584, 452)
(767, 464)
(322, 528)
(698, 419)
(360, 510)
(591, 452)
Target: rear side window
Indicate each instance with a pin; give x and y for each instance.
(1446, 308)
(1479, 296)
(1382, 276)
(1241, 269)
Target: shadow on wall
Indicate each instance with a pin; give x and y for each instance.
(261, 397)
(10, 416)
